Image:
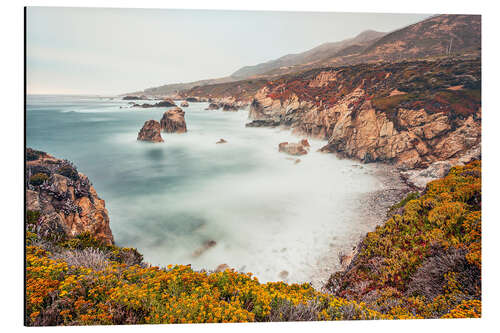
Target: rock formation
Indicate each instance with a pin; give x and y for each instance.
(184, 104)
(65, 199)
(293, 148)
(396, 113)
(168, 102)
(173, 121)
(150, 132)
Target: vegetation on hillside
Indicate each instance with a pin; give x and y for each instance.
(427, 260)
(425, 263)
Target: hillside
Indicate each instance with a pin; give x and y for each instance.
(317, 54)
(438, 36)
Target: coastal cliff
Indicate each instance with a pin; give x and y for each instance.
(410, 114)
(62, 200)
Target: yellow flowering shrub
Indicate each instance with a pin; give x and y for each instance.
(126, 291)
(434, 230)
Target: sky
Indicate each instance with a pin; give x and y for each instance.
(106, 51)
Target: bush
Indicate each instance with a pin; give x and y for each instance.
(33, 155)
(38, 179)
(89, 258)
(68, 171)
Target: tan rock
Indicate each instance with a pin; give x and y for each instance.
(292, 148)
(222, 268)
(173, 121)
(70, 206)
(150, 132)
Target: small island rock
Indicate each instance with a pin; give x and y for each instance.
(173, 121)
(150, 132)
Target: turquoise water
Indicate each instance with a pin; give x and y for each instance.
(265, 213)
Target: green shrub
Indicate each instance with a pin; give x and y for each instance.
(32, 216)
(33, 155)
(68, 171)
(38, 179)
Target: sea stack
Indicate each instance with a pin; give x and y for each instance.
(173, 121)
(150, 132)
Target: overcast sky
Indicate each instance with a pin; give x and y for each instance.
(112, 51)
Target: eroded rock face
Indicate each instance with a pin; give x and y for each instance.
(173, 121)
(66, 200)
(358, 111)
(295, 149)
(150, 132)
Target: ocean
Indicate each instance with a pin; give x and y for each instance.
(264, 213)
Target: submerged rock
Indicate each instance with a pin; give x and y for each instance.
(263, 123)
(207, 245)
(150, 132)
(173, 121)
(292, 148)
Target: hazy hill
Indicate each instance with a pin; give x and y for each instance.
(316, 54)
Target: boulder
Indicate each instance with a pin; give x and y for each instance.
(150, 132)
(229, 107)
(292, 148)
(184, 104)
(221, 141)
(263, 123)
(173, 121)
(213, 106)
(222, 267)
(167, 102)
(305, 143)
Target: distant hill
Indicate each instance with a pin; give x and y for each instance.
(319, 53)
(437, 36)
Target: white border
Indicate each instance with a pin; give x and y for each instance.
(12, 156)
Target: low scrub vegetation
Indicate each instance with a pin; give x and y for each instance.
(425, 263)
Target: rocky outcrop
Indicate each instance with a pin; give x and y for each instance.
(395, 113)
(150, 132)
(132, 97)
(65, 199)
(213, 106)
(168, 102)
(173, 121)
(226, 104)
(184, 104)
(294, 148)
